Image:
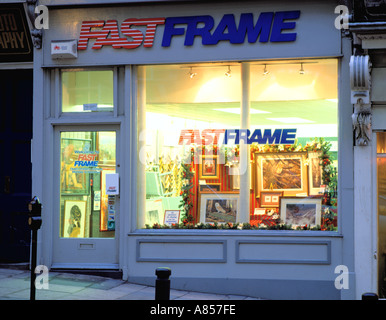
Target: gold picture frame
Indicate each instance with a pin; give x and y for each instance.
(270, 199)
(284, 171)
(208, 167)
(314, 172)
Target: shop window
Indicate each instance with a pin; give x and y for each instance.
(86, 159)
(209, 160)
(87, 91)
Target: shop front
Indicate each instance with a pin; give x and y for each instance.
(209, 138)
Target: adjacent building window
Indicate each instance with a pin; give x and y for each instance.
(87, 91)
(227, 145)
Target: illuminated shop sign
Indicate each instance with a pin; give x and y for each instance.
(212, 136)
(269, 27)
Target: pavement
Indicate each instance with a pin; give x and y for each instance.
(15, 285)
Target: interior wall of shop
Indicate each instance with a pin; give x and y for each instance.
(375, 225)
(287, 265)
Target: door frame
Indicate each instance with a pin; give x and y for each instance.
(376, 228)
(85, 246)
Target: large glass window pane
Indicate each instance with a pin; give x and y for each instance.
(192, 120)
(183, 111)
(293, 111)
(86, 159)
(87, 91)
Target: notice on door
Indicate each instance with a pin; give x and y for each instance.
(112, 183)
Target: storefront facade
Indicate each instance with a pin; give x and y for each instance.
(368, 30)
(203, 137)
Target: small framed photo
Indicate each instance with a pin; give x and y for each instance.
(301, 211)
(210, 187)
(74, 220)
(270, 199)
(219, 207)
(259, 211)
(172, 217)
(208, 167)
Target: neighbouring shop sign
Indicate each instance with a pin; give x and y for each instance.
(15, 41)
(268, 27)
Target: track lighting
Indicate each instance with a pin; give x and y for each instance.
(191, 73)
(301, 71)
(228, 73)
(265, 71)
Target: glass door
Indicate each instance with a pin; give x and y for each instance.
(86, 217)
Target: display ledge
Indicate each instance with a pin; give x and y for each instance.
(235, 233)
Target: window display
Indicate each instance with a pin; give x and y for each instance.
(85, 208)
(194, 148)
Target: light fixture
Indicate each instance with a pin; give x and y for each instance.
(191, 73)
(301, 71)
(265, 71)
(228, 73)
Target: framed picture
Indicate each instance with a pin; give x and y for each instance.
(314, 173)
(74, 220)
(270, 199)
(208, 167)
(73, 182)
(218, 207)
(301, 211)
(259, 211)
(210, 187)
(284, 172)
(235, 176)
(154, 211)
(172, 217)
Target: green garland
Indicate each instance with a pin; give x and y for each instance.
(186, 194)
(329, 178)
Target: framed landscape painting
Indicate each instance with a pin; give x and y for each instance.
(301, 211)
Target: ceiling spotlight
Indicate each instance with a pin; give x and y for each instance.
(228, 73)
(265, 71)
(191, 73)
(301, 71)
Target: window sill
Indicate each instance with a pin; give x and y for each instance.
(234, 233)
